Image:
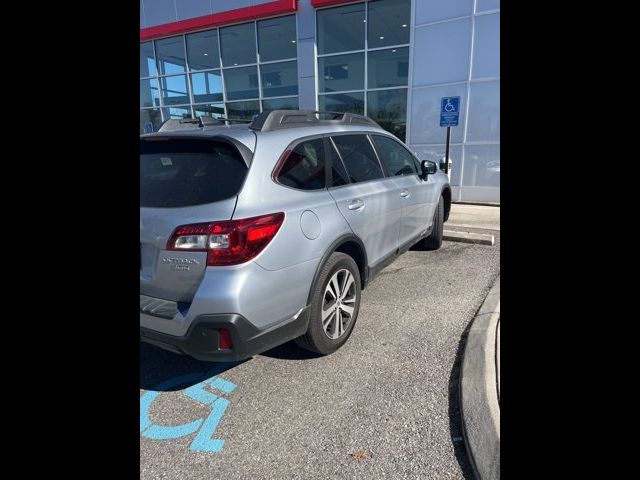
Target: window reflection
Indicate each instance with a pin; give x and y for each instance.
(341, 72)
(238, 44)
(174, 90)
(207, 87)
(243, 110)
(170, 55)
(343, 102)
(388, 22)
(341, 29)
(279, 79)
(280, 104)
(389, 109)
(202, 50)
(241, 83)
(277, 38)
(388, 68)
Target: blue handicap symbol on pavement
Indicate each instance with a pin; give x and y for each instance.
(199, 392)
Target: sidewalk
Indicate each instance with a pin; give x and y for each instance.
(474, 216)
(472, 224)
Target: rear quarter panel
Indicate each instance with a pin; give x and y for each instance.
(261, 195)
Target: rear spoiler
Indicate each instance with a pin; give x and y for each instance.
(245, 152)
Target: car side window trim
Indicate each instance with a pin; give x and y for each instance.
(383, 167)
(329, 146)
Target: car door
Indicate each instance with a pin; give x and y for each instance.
(369, 202)
(416, 194)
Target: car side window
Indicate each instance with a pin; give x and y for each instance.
(395, 157)
(358, 157)
(304, 167)
(338, 173)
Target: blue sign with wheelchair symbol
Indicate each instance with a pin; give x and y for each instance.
(449, 111)
(204, 428)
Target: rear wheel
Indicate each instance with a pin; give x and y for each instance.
(434, 240)
(334, 306)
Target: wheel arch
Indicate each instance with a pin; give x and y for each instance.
(348, 244)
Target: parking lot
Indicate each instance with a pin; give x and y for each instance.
(383, 406)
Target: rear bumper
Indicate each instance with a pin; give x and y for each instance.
(201, 339)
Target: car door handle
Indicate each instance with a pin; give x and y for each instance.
(404, 193)
(356, 205)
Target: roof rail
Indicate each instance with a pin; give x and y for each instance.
(280, 119)
(194, 123)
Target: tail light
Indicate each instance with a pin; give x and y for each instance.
(228, 242)
(224, 339)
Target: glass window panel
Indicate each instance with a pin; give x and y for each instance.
(202, 50)
(304, 168)
(341, 29)
(149, 96)
(388, 68)
(342, 102)
(244, 110)
(177, 112)
(241, 83)
(358, 157)
(150, 120)
(174, 90)
(277, 38)
(388, 22)
(342, 72)
(280, 104)
(207, 86)
(394, 156)
(279, 79)
(147, 60)
(213, 110)
(170, 53)
(238, 44)
(389, 109)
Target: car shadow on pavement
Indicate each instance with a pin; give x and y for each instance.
(290, 351)
(158, 366)
(455, 415)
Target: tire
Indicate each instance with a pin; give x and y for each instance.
(434, 240)
(318, 337)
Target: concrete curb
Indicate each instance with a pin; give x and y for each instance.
(479, 405)
(469, 237)
(495, 228)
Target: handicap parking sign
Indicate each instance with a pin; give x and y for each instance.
(449, 111)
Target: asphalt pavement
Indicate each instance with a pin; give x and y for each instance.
(383, 406)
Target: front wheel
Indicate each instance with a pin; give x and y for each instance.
(334, 306)
(434, 240)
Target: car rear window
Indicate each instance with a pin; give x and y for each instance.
(181, 172)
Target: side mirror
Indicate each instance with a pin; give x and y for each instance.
(428, 168)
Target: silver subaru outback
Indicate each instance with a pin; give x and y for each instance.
(252, 235)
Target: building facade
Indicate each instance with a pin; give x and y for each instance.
(392, 60)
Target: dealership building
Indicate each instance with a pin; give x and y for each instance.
(392, 60)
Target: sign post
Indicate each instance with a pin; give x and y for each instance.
(449, 115)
